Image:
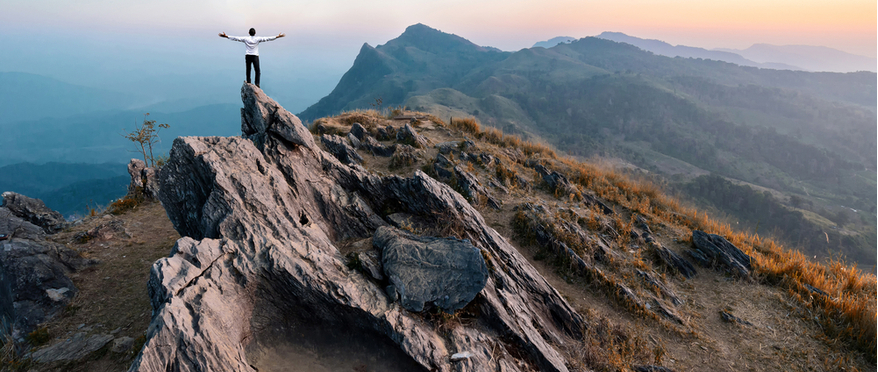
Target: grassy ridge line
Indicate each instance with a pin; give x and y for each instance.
(847, 313)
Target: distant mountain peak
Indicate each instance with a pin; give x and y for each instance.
(554, 41)
(432, 40)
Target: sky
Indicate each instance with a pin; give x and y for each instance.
(848, 25)
(121, 43)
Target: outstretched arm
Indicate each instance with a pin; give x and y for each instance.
(223, 34)
(270, 38)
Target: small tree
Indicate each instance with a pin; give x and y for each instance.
(144, 136)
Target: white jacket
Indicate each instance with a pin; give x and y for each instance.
(252, 42)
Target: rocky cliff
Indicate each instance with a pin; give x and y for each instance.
(269, 220)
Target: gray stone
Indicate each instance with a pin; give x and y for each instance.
(427, 271)
(34, 211)
(73, 349)
(358, 131)
(340, 149)
(143, 178)
(36, 281)
(673, 260)
(473, 189)
(372, 264)
(409, 136)
(355, 142)
(135, 169)
(17, 227)
(262, 218)
(376, 148)
(722, 252)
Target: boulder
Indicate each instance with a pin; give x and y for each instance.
(340, 149)
(36, 280)
(719, 251)
(34, 211)
(409, 136)
(262, 225)
(426, 271)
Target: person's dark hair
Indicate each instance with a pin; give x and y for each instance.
(252, 32)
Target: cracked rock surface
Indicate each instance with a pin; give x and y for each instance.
(262, 219)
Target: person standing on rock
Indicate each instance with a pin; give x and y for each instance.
(252, 55)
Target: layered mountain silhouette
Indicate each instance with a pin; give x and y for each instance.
(813, 58)
(664, 49)
(799, 133)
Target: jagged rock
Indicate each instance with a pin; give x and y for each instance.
(409, 136)
(34, 211)
(372, 264)
(404, 156)
(498, 186)
(355, 142)
(73, 349)
(135, 169)
(673, 260)
(376, 148)
(428, 271)
(358, 131)
(721, 251)
(473, 189)
(386, 133)
(727, 316)
(339, 148)
(448, 147)
(267, 219)
(38, 282)
(557, 182)
(143, 178)
(16, 227)
(443, 161)
(488, 159)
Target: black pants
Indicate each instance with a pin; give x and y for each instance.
(254, 60)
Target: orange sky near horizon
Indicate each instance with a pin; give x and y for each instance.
(848, 25)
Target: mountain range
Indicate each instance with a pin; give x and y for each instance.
(794, 133)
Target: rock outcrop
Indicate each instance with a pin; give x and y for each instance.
(712, 249)
(34, 211)
(262, 218)
(34, 282)
(143, 179)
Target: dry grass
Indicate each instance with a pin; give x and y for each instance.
(496, 137)
(847, 315)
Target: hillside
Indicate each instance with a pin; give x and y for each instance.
(808, 136)
(587, 269)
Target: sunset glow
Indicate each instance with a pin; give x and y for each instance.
(509, 25)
